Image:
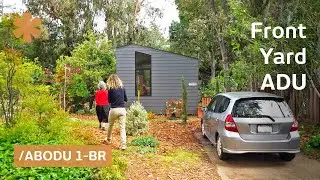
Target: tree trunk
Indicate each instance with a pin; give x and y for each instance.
(91, 102)
(222, 43)
(311, 81)
(318, 33)
(213, 64)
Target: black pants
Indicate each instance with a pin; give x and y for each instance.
(103, 113)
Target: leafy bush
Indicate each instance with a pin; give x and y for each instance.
(137, 119)
(314, 142)
(116, 170)
(28, 132)
(145, 141)
(90, 61)
(92, 111)
(81, 111)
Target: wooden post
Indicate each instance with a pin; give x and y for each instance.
(310, 104)
(317, 108)
(65, 87)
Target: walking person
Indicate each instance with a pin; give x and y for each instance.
(117, 99)
(102, 105)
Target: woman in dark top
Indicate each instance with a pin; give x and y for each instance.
(117, 98)
(102, 105)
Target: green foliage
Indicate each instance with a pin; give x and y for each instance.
(31, 50)
(7, 39)
(38, 100)
(214, 87)
(29, 132)
(116, 170)
(81, 111)
(145, 141)
(59, 131)
(184, 102)
(144, 145)
(68, 21)
(90, 62)
(205, 25)
(309, 134)
(137, 119)
(194, 36)
(314, 142)
(151, 37)
(18, 80)
(78, 87)
(179, 158)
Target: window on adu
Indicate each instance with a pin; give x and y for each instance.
(143, 74)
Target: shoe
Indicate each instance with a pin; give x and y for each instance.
(123, 148)
(99, 125)
(107, 142)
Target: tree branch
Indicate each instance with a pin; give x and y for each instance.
(311, 81)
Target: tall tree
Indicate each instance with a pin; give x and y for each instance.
(67, 21)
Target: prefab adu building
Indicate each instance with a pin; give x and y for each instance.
(157, 76)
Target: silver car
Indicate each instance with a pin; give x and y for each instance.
(251, 122)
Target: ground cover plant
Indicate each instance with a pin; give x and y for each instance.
(310, 140)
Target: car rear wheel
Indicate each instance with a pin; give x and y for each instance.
(221, 154)
(202, 129)
(287, 156)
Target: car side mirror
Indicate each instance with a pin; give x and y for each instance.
(204, 109)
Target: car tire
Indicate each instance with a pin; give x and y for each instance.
(287, 156)
(222, 155)
(202, 130)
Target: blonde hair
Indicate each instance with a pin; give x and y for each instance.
(114, 82)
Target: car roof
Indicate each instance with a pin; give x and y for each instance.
(242, 95)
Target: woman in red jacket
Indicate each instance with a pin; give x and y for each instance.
(102, 105)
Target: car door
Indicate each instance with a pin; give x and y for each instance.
(208, 117)
(211, 117)
(219, 114)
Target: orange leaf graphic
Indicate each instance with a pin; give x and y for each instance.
(27, 27)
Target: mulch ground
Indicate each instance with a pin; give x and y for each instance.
(172, 135)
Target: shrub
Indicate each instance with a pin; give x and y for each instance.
(92, 111)
(145, 141)
(28, 132)
(137, 119)
(81, 111)
(90, 61)
(314, 142)
(116, 170)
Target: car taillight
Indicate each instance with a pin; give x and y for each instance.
(230, 125)
(294, 126)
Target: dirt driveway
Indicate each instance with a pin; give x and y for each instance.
(261, 166)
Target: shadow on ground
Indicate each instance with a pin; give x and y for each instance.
(261, 166)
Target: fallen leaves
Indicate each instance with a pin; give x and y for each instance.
(164, 164)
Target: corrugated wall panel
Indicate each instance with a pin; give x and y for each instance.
(167, 71)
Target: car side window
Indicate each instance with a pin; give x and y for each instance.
(212, 104)
(222, 105)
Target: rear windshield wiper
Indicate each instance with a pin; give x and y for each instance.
(266, 116)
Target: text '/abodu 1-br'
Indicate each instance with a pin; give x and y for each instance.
(62, 156)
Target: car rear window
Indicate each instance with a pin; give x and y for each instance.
(276, 108)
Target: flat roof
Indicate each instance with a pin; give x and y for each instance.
(158, 50)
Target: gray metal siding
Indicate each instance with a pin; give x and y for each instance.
(167, 70)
